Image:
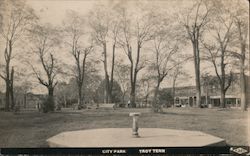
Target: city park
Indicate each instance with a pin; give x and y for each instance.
(115, 59)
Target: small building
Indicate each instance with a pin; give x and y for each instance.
(24, 101)
(185, 95)
(32, 101)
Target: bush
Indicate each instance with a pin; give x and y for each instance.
(48, 105)
(165, 97)
(79, 107)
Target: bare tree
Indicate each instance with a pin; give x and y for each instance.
(74, 32)
(45, 39)
(166, 48)
(218, 51)
(100, 24)
(164, 51)
(105, 23)
(16, 19)
(195, 21)
(2, 12)
(141, 29)
(115, 30)
(240, 17)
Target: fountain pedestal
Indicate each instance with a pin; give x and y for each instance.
(135, 127)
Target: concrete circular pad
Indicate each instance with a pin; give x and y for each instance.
(122, 137)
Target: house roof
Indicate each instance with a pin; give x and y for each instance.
(185, 91)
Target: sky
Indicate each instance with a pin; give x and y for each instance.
(54, 11)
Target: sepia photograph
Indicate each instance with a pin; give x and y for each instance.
(125, 76)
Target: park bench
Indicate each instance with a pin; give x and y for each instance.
(106, 105)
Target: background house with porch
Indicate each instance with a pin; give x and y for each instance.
(210, 93)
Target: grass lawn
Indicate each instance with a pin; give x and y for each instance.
(31, 129)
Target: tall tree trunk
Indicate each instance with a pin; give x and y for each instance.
(223, 79)
(197, 72)
(173, 91)
(80, 77)
(242, 36)
(132, 92)
(222, 92)
(243, 88)
(107, 85)
(123, 98)
(243, 84)
(134, 76)
(83, 77)
(51, 91)
(132, 96)
(206, 95)
(222, 99)
(12, 89)
(12, 97)
(7, 79)
(79, 95)
(50, 104)
(107, 89)
(156, 106)
(7, 96)
(112, 73)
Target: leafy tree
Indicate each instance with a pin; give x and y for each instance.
(65, 92)
(62, 92)
(117, 93)
(122, 74)
(146, 85)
